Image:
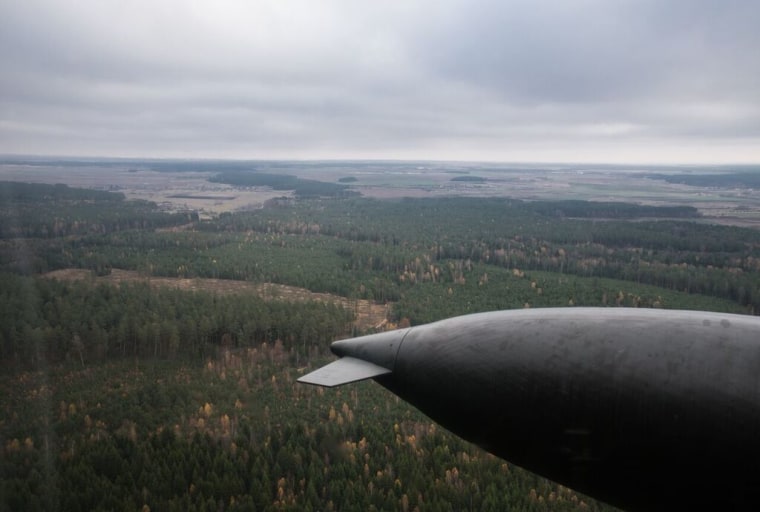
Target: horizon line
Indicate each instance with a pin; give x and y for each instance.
(77, 158)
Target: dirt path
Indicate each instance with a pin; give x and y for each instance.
(368, 314)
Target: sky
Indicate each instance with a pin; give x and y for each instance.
(618, 81)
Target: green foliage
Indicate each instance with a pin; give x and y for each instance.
(609, 210)
(750, 178)
(13, 191)
(72, 212)
(238, 433)
(137, 396)
(463, 289)
(377, 249)
(46, 321)
(718, 261)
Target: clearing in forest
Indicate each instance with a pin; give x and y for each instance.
(368, 314)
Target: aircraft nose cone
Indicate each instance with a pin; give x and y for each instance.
(379, 349)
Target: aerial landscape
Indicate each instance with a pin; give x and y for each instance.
(166, 330)
(196, 201)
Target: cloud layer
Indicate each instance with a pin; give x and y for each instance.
(539, 80)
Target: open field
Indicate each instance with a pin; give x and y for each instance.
(368, 314)
(173, 191)
(177, 189)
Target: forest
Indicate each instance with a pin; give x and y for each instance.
(746, 179)
(129, 396)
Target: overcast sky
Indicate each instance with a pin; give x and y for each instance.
(672, 81)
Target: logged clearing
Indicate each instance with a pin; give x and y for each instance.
(368, 314)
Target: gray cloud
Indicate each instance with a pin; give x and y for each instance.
(624, 80)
